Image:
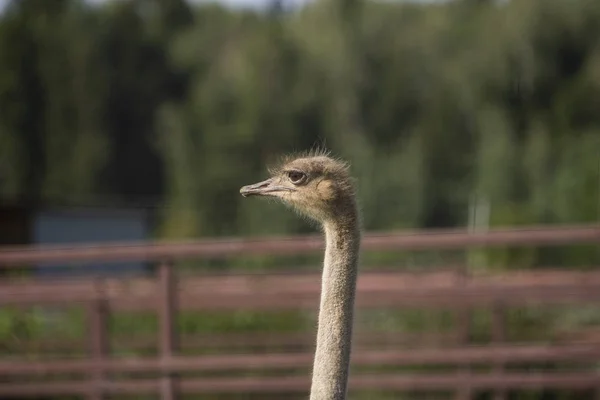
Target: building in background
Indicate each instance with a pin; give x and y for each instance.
(76, 225)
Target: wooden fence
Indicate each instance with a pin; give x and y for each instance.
(101, 373)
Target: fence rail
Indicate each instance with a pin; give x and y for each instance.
(295, 384)
(100, 373)
(265, 292)
(230, 247)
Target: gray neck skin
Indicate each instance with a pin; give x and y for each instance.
(334, 336)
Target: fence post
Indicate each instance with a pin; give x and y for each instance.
(98, 339)
(463, 331)
(167, 325)
(498, 336)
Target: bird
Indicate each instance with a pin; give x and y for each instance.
(321, 188)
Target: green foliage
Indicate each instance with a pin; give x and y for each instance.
(178, 106)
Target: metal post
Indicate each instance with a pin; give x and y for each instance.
(498, 336)
(167, 325)
(98, 340)
(463, 331)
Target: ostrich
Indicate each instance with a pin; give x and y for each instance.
(321, 188)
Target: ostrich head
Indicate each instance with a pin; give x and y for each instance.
(316, 185)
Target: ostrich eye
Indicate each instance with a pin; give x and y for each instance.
(296, 177)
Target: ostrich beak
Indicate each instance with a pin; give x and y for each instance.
(264, 188)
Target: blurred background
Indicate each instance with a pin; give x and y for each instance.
(139, 120)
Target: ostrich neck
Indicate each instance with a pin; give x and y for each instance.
(334, 335)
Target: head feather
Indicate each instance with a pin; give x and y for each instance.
(333, 163)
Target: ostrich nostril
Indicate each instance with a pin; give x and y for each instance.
(256, 189)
